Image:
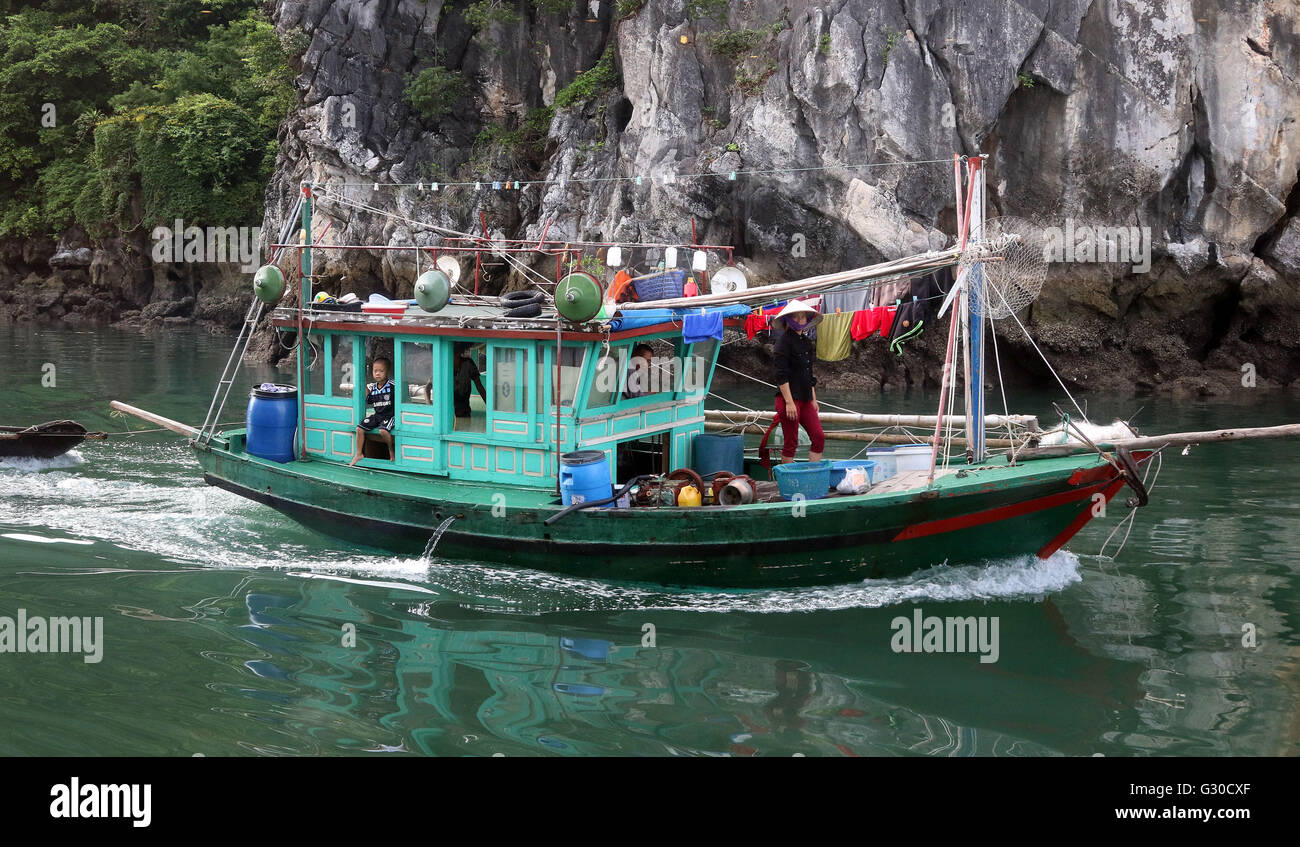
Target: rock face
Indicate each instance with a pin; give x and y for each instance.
(115, 281)
(839, 119)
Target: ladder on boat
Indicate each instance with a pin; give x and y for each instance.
(251, 317)
(231, 371)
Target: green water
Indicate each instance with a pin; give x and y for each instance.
(225, 625)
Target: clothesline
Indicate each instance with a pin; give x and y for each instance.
(664, 178)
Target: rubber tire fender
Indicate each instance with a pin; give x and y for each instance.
(520, 298)
(531, 309)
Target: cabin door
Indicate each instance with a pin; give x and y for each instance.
(510, 410)
(418, 407)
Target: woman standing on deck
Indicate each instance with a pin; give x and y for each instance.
(796, 399)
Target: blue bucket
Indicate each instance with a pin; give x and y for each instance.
(838, 469)
(811, 479)
(718, 452)
(272, 421)
(584, 475)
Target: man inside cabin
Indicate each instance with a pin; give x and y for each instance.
(465, 375)
(379, 395)
(638, 372)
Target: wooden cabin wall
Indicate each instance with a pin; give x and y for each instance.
(517, 443)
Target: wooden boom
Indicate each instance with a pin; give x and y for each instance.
(1173, 439)
(166, 423)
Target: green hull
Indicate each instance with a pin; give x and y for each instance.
(994, 511)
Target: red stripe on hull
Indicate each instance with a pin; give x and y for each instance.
(1077, 524)
(1001, 513)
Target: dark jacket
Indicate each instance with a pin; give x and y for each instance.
(792, 360)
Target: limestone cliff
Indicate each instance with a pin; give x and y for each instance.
(1179, 116)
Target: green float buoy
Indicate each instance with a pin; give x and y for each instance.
(432, 291)
(268, 284)
(578, 297)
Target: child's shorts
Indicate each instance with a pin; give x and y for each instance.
(372, 422)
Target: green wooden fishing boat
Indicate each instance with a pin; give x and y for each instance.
(483, 488)
(992, 511)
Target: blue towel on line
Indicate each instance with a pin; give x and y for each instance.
(701, 327)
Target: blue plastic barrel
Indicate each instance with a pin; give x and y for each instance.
(718, 451)
(584, 475)
(272, 421)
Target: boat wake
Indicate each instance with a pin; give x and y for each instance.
(180, 520)
(70, 459)
(1021, 577)
(170, 516)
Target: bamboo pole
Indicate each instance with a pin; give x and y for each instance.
(1030, 422)
(854, 436)
(810, 285)
(1173, 439)
(165, 423)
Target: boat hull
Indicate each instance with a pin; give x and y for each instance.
(990, 513)
(44, 441)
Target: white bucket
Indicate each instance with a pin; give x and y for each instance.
(914, 457)
(886, 465)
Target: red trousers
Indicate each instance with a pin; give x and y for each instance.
(810, 422)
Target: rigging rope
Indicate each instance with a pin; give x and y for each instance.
(1043, 356)
(675, 177)
(441, 230)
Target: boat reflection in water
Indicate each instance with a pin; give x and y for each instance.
(446, 680)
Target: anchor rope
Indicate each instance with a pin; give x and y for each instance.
(1131, 518)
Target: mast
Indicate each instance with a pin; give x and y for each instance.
(304, 303)
(974, 294)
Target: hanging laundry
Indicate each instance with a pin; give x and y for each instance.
(866, 323)
(930, 291)
(846, 301)
(904, 319)
(897, 344)
(833, 337)
(701, 327)
(762, 320)
(887, 320)
(888, 292)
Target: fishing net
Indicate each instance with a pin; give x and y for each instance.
(1005, 266)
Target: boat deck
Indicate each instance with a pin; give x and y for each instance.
(471, 493)
(768, 492)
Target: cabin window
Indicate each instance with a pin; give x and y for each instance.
(694, 379)
(508, 384)
(417, 372)
(647, 371)
(571, 360)
(342, 378)
(605, 382)
(315, 376)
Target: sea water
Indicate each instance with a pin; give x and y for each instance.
(230, 630)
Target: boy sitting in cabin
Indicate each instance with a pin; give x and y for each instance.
(379, 394)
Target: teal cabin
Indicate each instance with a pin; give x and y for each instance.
(643, 418)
